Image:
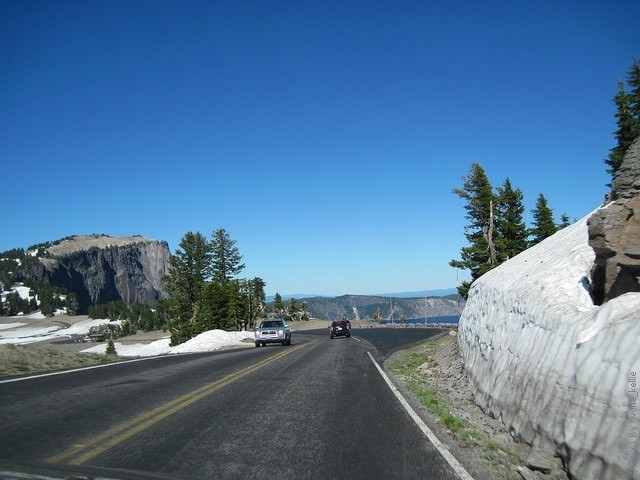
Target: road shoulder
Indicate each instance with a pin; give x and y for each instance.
(484, 446)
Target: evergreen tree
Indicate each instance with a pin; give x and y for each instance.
(98, 311)
(511, 229)
(204, 295)
(292, 310)
(254, 297)
(72, 303)
(117, 310)
(163, 313)
(278, 305)
(221, 305)
(633, 79)
(543, 224)
(111, 348)
(47, 307)
(626, 132)
(225, 257)
(189, 270)
(565, 221)
(479, 257)
(627, 117)
(218, 308)
(14, 304)
(236, 307)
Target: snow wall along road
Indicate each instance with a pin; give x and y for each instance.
(558, 371)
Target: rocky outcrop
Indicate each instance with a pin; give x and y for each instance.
(614, 234)
(100, 269)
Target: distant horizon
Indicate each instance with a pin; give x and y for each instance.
(441, 292)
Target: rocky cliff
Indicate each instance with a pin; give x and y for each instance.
(101, 268)
(614, 234)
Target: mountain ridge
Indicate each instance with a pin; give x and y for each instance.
(369, 307)
(443, 292)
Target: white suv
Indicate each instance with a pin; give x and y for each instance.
(272, 330)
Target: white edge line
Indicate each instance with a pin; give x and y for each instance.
(448, 456)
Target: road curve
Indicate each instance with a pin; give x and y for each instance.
(315, 409)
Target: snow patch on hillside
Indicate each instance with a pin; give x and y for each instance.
(549, 363)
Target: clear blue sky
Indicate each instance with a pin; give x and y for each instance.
(325, 137)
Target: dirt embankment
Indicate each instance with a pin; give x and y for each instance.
(443, 372)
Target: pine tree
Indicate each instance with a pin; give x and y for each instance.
(189, 270)
(221, 304)
(565, 221)
(225, 257)
(72, 303)
(478, 257)
(543, 224)
(510, 226)
(627, 117)
(633, 79)
(278, 305)
(625, 134)
(254, 297)
(111, 348)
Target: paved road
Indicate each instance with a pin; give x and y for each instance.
(315, 409)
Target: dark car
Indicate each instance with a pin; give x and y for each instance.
(340, 328)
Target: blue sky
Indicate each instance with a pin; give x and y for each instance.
(325, 137)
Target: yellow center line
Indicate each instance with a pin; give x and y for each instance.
(79, 454)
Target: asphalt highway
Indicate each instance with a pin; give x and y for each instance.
(315, 409)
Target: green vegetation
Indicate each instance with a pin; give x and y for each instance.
(292, 311)
(405, 368)
(111, 348)
(138, 316)
(512, 231)
(496, 231)
(42, 296)
(627, 117)
(203, 291)
(28, 360)
(544, 225)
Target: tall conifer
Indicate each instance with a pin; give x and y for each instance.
(477, 257)
(543, 224)
(633, 79)
(627, 117)
(226, 257)
(511, 228)
(189, 270)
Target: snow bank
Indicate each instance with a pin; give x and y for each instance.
(557, 370)
(205, 342)
(17, 334)
(21, 333)
(20, 289)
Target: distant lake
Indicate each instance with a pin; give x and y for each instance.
(427, 320)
